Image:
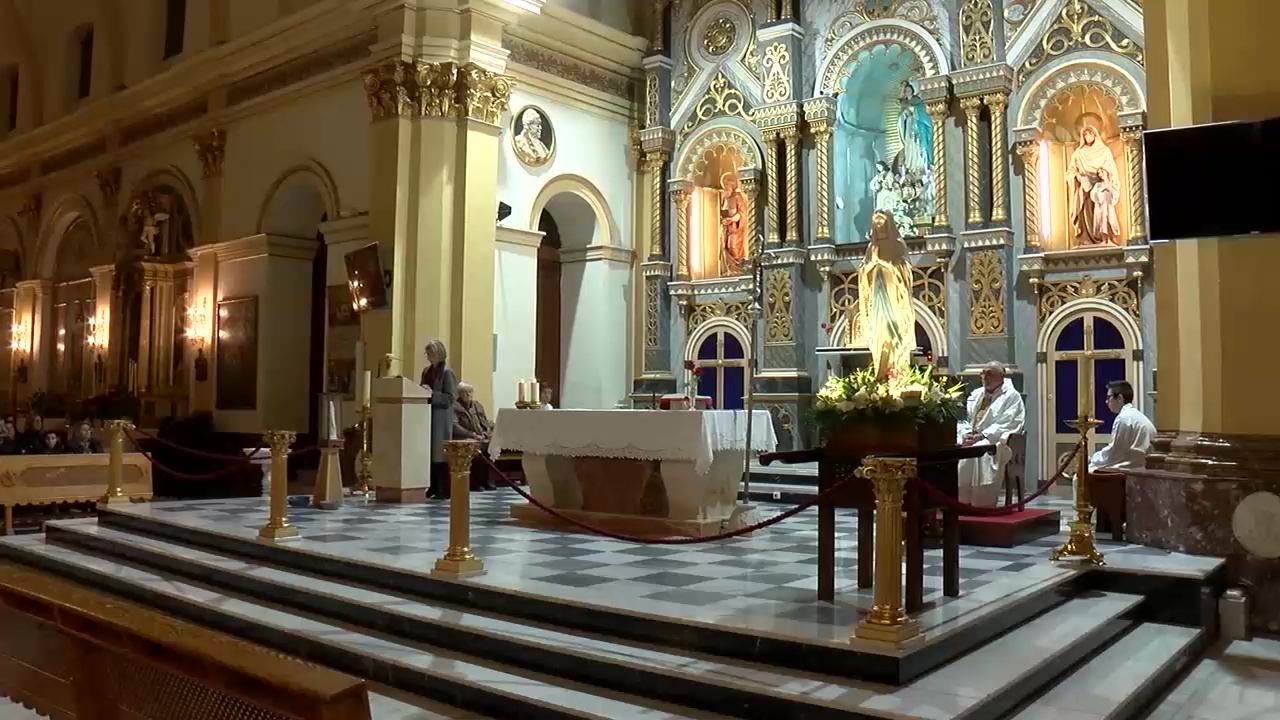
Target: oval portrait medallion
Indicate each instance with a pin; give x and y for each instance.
(532, 137)
(1256, 524)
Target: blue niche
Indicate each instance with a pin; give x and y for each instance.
(883, 146)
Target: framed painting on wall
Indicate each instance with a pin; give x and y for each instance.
(237, 354)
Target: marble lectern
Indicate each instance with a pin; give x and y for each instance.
(401, 442)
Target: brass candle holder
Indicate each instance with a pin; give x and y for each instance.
(364, 469)
(1080, 541)
(277, 526)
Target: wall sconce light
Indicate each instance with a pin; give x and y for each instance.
(20, 343)
(199, 328)
(96, 339)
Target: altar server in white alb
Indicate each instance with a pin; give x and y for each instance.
(1131, 433)
(996, 411)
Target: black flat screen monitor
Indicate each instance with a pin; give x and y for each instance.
(1217, 180)
(364, 278)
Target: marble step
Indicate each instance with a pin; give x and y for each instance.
(733, 687)
(1121, 681)
(474, 684)
(10, 710)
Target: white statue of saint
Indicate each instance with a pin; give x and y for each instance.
(150, 229)
(528, 142)
(887, 187)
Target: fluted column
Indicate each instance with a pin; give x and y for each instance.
(996, 103)
(655, 164)
(791, 143)
(938, 113)
(772, 231)
(1029, 151)
(972, 106)
(1132, 138)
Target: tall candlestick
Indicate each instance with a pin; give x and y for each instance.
(366, 388)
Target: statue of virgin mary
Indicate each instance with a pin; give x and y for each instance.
(884, 289)
(915, 132)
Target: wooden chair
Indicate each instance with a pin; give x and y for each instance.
(1106, 492)
(1015, 471)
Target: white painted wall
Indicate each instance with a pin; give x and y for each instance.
(515, 311)
(591, 158)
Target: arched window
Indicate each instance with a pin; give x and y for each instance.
(175, 27)
(722, 360)
(9, 98)
(1088, 352)
(84, 61)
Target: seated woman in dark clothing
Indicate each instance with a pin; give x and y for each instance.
(26, 440)
(83, 442)
(51, 444)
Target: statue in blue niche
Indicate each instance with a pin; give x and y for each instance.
(883, 153)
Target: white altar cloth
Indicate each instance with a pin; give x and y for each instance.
(655, 472)
(677, 435)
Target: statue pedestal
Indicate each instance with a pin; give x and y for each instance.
(402, 443)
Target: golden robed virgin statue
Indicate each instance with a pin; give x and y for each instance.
(884, 292)
(1092, 174)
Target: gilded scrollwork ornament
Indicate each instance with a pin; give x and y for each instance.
(777, 74)
(483, 94)
(977, 32)
(986, 293)
(1079, 27)
(777, 293)
(436, 84)
(437, 90)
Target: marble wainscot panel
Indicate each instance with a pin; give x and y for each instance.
(1217, 496)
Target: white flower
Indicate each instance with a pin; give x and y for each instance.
(846, 406)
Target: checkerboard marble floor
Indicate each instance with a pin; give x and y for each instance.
(765, 583)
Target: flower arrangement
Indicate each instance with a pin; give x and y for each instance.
(915, 393)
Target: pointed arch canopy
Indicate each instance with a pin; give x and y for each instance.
(730, 132)
(836, 67)
(1111, 78)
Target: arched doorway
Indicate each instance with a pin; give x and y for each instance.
(595, 287)
(296, 208)
(1087, 349)
(719, 351)
(74, 308)
(547, 353)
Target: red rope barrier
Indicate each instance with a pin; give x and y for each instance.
(663, 541)
(242, 457)
(223, 472)
(941, 498)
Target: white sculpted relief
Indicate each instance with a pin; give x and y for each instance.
(893, 192)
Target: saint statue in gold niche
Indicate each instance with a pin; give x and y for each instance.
(887, 317)
(733, 215)
(1092, 176)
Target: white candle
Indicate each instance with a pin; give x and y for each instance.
(521, 397)
(535, 397)
(366, 388)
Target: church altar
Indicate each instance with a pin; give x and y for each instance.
(644, 472)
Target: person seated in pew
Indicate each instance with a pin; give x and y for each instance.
(471, 423)
(1131, 433)
(26, 440)
(544, 398)
(83, 442)
(995, 410)
(8, 436)
(51, 444)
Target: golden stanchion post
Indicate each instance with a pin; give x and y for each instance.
(458, 560)
(1080, 542)
(888, 622)
(278, 527)
(116, 430)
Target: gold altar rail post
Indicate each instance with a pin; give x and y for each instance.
(458, 560)
(278, 527)
(1080, 542)
(888, 622)
(116, 430)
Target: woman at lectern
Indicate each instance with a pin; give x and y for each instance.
(442, 387)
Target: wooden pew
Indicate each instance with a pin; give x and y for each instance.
(55, 479)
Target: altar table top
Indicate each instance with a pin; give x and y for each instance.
(678, 435)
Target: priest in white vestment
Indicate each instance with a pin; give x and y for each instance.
(996, 411)
(1131, 433)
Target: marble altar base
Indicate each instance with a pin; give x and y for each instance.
(1215, 496)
